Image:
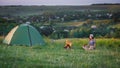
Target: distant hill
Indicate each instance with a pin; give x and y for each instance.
(107, 4)
(38, 10)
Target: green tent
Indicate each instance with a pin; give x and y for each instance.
(24, 34)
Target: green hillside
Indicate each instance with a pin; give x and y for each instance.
(64, 21)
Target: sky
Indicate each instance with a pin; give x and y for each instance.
(55, 2)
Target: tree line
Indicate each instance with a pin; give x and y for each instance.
(52, 18)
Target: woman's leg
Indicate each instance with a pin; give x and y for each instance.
(91, 47)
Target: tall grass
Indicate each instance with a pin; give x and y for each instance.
(53, 55)
(108, 42)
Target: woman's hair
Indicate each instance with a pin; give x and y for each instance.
(91, 37)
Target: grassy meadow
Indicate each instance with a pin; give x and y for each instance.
(78, 21)
(53, 55)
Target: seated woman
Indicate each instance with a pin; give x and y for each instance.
(91, 44)
(68, 44)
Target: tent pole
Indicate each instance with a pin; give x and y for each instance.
(29, 36)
